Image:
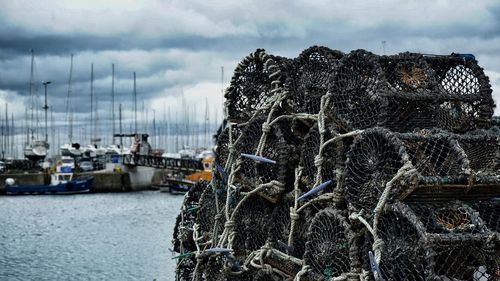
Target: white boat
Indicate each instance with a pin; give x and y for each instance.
(116, 149)
(93, 150)
(72, 150)
(36, 150)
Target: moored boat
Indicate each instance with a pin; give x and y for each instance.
(61, 183)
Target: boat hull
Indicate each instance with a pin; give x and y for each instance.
(81, 185)
(176, 185)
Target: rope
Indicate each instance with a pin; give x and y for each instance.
(302, 272)
(294, 217)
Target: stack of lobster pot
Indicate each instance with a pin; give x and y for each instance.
(354, 166)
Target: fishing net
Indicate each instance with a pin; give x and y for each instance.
(279, 227)
(279, 144)
(185, 268)
(183, 230)
(489, 211)
(321, 165)
(222, 146)
(210, 217)
(328, 249)
(310, 78)
(250, 221)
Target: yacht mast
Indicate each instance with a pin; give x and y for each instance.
(7, 131)
(31, 94)
(113, 100)
(91, 102)
(69, 110)
(135, 106)
(205, 142)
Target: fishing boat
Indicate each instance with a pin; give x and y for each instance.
(61, 183)
(182, 184)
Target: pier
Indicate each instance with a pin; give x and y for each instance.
(131, 179)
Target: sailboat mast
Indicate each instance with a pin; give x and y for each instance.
(135, 106)
(113, 100)
(120, 117)
(154, 129)
(31, 93)
(7, 129)
(12, 135)
(205, 142)
(168, 130)
(69, 112)
(91, 101)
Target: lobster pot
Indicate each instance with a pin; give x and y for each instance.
(490, 214)
(222, 144)
(247, 143)
(410, 93)
(331, 250)
(467, 102)
(333, 158)
(183, 231)
(356, 88)
(212, 203)
(448, 167)
(279, 224)
(250, 221)
(250, 86)
(280, 144)
(434, 242)
(210, 267)
(309, 79)
(185, 268)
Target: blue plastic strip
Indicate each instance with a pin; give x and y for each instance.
(218, 250)
(220, 170)
(374, 266)
(315, 189)
(258, 158)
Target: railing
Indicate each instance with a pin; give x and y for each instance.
(184, 165)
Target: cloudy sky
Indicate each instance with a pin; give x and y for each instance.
(177, 48)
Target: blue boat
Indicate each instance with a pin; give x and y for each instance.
(61, 183)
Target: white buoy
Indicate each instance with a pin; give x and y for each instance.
(10, 181)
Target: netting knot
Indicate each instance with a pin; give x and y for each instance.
(218, 216)
(318, 161)
(293, 214)
(231, 148)
(378, 247)
(229, 224)
(266, 128)
(267, 269)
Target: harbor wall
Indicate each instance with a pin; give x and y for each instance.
(135, 179)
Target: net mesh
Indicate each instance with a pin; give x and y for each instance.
(310, 78)
(250, 225)
(349, 167)
(327, 250)
(250, 86)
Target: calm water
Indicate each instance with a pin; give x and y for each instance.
(120, 236)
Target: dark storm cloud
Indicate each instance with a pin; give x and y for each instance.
(172, 52)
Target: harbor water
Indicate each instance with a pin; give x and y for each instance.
(107, 236)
